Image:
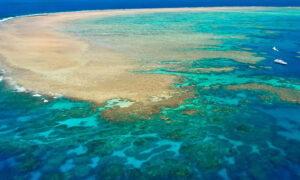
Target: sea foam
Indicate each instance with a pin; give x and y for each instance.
(5, 19)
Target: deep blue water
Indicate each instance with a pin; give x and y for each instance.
(21, 7)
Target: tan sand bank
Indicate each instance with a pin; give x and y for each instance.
(38, 56)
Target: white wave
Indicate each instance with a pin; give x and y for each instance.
(9, 81)
(2, 71)
(55, 95)
(19, 88)
(5, 19)
(58, 96)
(29, 15)
(275, 49)
(14, 85)
(36, 95)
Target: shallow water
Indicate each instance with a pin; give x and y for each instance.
(219, 134)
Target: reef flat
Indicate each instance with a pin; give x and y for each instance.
(151, 94)
(41, 49)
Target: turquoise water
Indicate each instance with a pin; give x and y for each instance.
(218, 134)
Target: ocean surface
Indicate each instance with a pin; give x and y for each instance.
(23, 7)
(242, 123)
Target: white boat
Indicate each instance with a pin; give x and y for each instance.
(275, 49)
(279, 61)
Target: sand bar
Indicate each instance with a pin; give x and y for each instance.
(40, 57)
